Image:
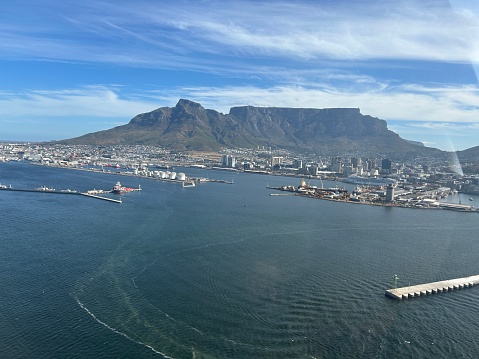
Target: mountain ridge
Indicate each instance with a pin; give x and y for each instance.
(189, 126)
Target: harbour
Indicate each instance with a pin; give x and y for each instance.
(205, 276)
(432, 288)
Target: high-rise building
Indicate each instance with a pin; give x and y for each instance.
(335, 159)
(336, 164)
(356, 162)
(298, 164)
(313, 170)
(228, 161)
(276, 161)
(386, 165)
(390, 193)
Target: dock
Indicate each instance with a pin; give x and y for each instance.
(432, 288)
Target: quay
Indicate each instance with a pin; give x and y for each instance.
(432, 288)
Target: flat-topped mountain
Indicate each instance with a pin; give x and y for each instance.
(189, 126)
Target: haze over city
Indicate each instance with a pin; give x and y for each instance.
(72, 68)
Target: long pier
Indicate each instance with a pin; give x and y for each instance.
(432, 288)
(101, 197)
(62, 192)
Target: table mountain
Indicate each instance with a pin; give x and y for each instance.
(189, 126)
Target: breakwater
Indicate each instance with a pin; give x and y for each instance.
(432, 288)
(52, 191)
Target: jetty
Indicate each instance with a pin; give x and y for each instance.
(432, 288)
(91, 194)
(101, 197)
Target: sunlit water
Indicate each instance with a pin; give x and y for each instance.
(225, 271)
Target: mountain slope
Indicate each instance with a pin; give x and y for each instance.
(190, 126)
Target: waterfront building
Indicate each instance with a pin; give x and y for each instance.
(337, 167)
(298, 164)
(228, 161)
(390, 193)
(276, 160)
(313, 170)
(248, 166)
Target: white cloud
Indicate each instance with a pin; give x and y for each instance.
(392, 103)
(190, 33)
(418, 114)
(401, 103)
(98, 101)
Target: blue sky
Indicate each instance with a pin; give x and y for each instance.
(68, 68)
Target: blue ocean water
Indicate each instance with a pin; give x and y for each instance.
(225, 271)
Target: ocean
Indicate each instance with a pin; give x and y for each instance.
(225, 271)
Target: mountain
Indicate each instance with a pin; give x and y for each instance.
(469, 155)
(189, 126)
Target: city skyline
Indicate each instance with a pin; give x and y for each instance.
(69, 69)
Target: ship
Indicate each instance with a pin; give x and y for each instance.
(45, 188)
(119, 189)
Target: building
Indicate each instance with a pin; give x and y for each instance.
(356, 162)
(298, 164)
(276, 161)
(386, 165)
(228, 161)
(390, 193)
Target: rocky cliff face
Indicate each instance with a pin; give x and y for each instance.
(190, 126)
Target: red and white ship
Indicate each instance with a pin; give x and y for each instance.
(119, 189)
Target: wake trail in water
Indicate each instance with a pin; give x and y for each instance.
(120, 333)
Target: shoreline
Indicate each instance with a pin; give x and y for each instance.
(441, 206)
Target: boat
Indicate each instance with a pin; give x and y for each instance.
(68, 191)
(471, 199)
(188, 184)
(46, 189)
(119, 189)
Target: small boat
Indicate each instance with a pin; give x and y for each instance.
(188, 184)
(471, 199)
(46, 189)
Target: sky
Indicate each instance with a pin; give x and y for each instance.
(68, 68)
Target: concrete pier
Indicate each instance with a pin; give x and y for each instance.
(65, 192)
(432, 288)
(103, 198)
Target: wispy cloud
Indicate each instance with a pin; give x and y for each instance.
(407, 113)
(434, 108)
(194, 33)
(293, 54)
(98, 101)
